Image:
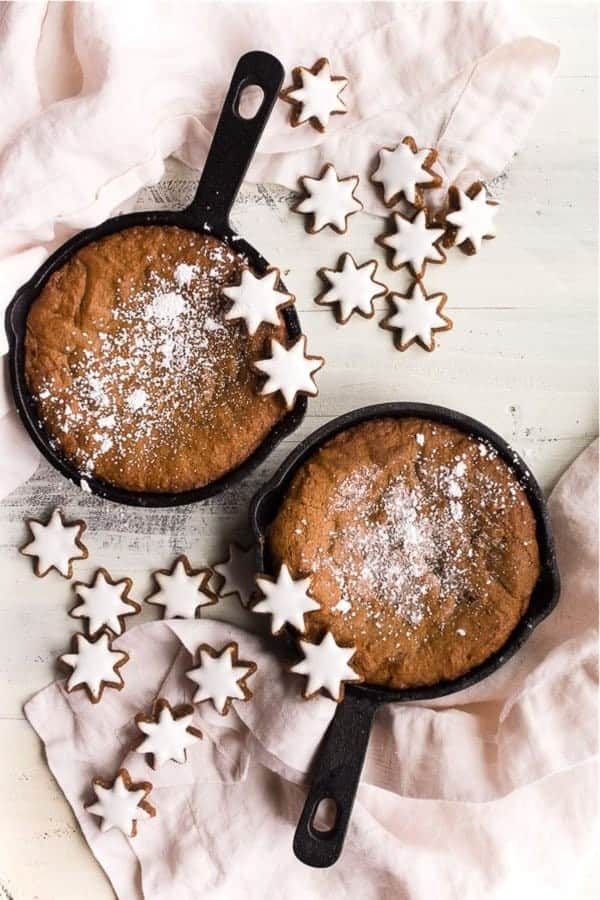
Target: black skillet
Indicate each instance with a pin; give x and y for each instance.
(339, 760)
(230, 153)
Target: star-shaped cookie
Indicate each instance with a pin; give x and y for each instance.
(168, 732)
(290, 371)
(471, 218)
(415, 317)
(285, 599)
(315, 95)
(221, 676)
(350, 288)
(413, 243)
(121, 803)
(328, 199)
(181, 590)
(256, 299)
(237, 573)
(104, 603)
(55, 544)
(404, 171)
(94, 664)
(326, 666)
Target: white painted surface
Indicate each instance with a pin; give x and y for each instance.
(521, 357)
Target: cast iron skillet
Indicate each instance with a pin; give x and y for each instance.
(339, 760)
(230, 153)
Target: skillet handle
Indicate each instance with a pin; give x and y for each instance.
(235, 140)
(336, 774)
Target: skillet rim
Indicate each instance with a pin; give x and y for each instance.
(16, 325)
(546, 592)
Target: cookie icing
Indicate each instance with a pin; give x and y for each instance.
(220, 678)
(94, 665)
(417, 316)
(352, 287)
(55, 544)
(285, 599)
(167, 737)
(474, 218)
(256, 299)
(319, 94)
(400, 170)
(326, 665)
(413, 243)
(181, 590)
(329, 199)
(104, 603)
(120, 805)
(237, 572)
(290, 371)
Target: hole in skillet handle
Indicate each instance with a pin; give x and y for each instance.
(249, 100)
(325, 816)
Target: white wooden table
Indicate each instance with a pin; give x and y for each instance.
(521, 357)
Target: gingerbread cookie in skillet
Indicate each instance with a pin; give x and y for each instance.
(420, 544)
(137, 375)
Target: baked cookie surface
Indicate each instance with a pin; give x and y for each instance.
(420, 544)
(137, 376)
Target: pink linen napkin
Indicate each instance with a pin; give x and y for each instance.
(466, 797)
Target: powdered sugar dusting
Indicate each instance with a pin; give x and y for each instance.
(165, 307)
(409, 541)
(184, 273)
(135, 401)
(164, 355)
(342, 606)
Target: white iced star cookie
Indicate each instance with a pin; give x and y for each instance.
(55, 544)
(122, 803)
(328, 199)
(104, 603)
(237, 573)
(221, 676)
(168, 732)
(404, 171)
(181, 590)
(94, 664)
(256, 299)
(326, 666)
(414, 243)
(285, 599)
(290, 371)
(414, 317)
(315, 95)
(471, 218)
(350, 288)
